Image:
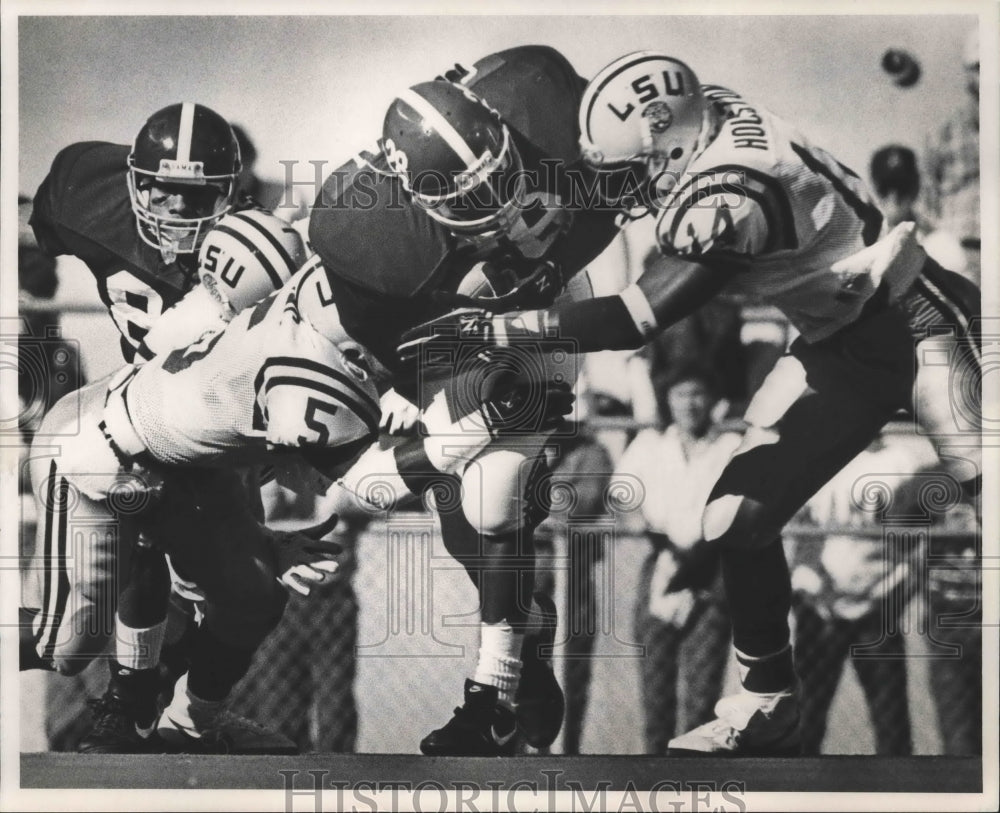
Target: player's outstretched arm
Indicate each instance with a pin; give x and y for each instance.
(624, 321)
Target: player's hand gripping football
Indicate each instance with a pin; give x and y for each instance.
(304, 558)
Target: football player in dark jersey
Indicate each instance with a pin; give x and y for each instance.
(470, 199)
(137, 217)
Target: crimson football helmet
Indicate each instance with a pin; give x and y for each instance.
(455, 156)
(644, 117)
(182, 176)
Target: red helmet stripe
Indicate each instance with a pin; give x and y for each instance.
(441, 125)
(185, 131)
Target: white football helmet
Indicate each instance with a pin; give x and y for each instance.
(642, 119)
(247, 256)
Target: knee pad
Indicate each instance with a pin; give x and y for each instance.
(737, 522)
(496, 491)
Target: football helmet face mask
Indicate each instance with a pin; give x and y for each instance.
(182, 176)
(456, 158)
(642, 119)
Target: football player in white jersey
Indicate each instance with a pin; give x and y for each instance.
(72, 615)
(746, 204)
(232, 384)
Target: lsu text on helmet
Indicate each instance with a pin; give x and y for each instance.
(642, 119)
(247, 256)
(455, 156)
(182, 175)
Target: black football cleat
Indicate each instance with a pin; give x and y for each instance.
(539, 701)
(115, 730)
(480, 728)
(224, 733)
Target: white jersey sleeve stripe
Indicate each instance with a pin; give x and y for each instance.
(288, 369)
(334, 392)
(743, 187)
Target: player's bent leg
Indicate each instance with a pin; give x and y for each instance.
(89, 502)
(944, 314)
(229, 556)
(124, 716)
(74, 577)
(497, 520)
(71, 585)
(803, 429)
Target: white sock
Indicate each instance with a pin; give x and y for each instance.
(138, 648)
(499, 659)
(189, 712)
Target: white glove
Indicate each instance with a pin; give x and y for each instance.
(304, 558)
(672, 608)
(398, 414)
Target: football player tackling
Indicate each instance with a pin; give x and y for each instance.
(746, 203)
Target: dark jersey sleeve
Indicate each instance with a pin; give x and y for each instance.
(82, 207)
(383, 256)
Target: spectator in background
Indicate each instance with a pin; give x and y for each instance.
(680, 613)
(952, 188)
(955, 620)
(896, 181)
(954, 598)
(844, 585)
(955, 624)
(583, 467)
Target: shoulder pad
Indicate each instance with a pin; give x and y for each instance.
(537, 93)
(85, 192)
(369, 234)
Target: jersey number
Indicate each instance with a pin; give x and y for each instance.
(134, 305)
(313, 408)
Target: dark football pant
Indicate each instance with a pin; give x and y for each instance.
(821, 405)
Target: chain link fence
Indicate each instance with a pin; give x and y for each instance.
(376, 660)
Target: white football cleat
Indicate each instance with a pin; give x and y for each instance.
(747, 725)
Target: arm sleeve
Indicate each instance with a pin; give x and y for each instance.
(627, 320)
(43, 221)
